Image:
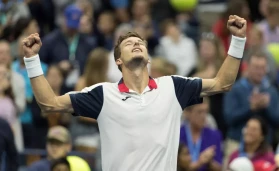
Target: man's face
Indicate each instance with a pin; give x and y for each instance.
(57, 149)
(257, 69)
(5, 55)
(133, 53)
(197, 115)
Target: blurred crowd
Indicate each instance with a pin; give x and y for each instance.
(234, 131)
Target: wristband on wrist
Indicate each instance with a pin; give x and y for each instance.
(237, 47)
(33, 66)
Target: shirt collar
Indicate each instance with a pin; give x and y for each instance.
(124, 89)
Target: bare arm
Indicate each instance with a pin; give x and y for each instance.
(227, 74)
(44, 95)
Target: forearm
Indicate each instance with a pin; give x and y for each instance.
(214, 166)
(43, 93)
(227, 74)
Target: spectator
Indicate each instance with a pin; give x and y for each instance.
(11, 11)
(22, 28)
(158, 67)
(86, 25)
(8, 152)
(210, 121)
(241, 164)
(255, 145)
(7, 107)
(18, 89)
(67, 48)
(203, 143)
(251, 95)
(256, 42)
(18, 66)
(183, 158)
(270, 26)
(61, 164)
(211, 53)
(105, 29)
(121, 10)
(85, 130)
(177, 49)
(235, 7)
(41, 121)
(58, 146)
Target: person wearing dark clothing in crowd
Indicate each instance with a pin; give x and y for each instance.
(8, 153)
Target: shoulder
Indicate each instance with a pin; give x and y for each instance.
(52, 36)
(40, 165)
(212, 132)
(233, 156)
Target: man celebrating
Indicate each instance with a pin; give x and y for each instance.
(138, 117)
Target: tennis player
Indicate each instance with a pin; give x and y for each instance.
(138, 117)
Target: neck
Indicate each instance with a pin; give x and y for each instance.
(251, 148)
(136, 80)
(196, 132)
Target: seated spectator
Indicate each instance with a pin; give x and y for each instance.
(270, 26)
(256, 42)
(210, 121)
(18, 66)
(183, 158)
(249, 96)
(58, 146)
(241, 164)
(235, 7)
(105, 29)
(61, 164)
(18, 89)
(7, 107)
(204, 144)
(121, 10)
(85, 130)
(8, 152)
(177, 49)
(255, 145)
(67, 47)
(161, 67)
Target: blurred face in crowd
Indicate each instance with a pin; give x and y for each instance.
(207, 50)
(173, 31)
(61, 167)
(257, 69)
(252, 132)
(140, 8)
(255, 37)
(133, 53)
(85, 25)
(106, 23)
(4, 78)
(184, 158)
(197, 115)
(54, 77)
(57, 149)
(5, 55)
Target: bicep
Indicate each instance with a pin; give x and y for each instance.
(64, 104)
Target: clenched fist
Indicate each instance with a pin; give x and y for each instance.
(31, 45)
(237, 26)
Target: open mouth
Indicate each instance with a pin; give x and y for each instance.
(136, 50)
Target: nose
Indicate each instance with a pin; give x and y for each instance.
(136, 44)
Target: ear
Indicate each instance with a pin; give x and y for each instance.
(118, 62)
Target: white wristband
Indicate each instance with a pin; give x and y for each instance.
(237, 47)
(33, 66)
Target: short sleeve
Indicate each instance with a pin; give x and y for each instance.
(88, 103)
(187, 90)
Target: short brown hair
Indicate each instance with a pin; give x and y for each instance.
(117, 50)
(256, 53)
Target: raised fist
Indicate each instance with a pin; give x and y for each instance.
(31, 45)
(237, 26)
